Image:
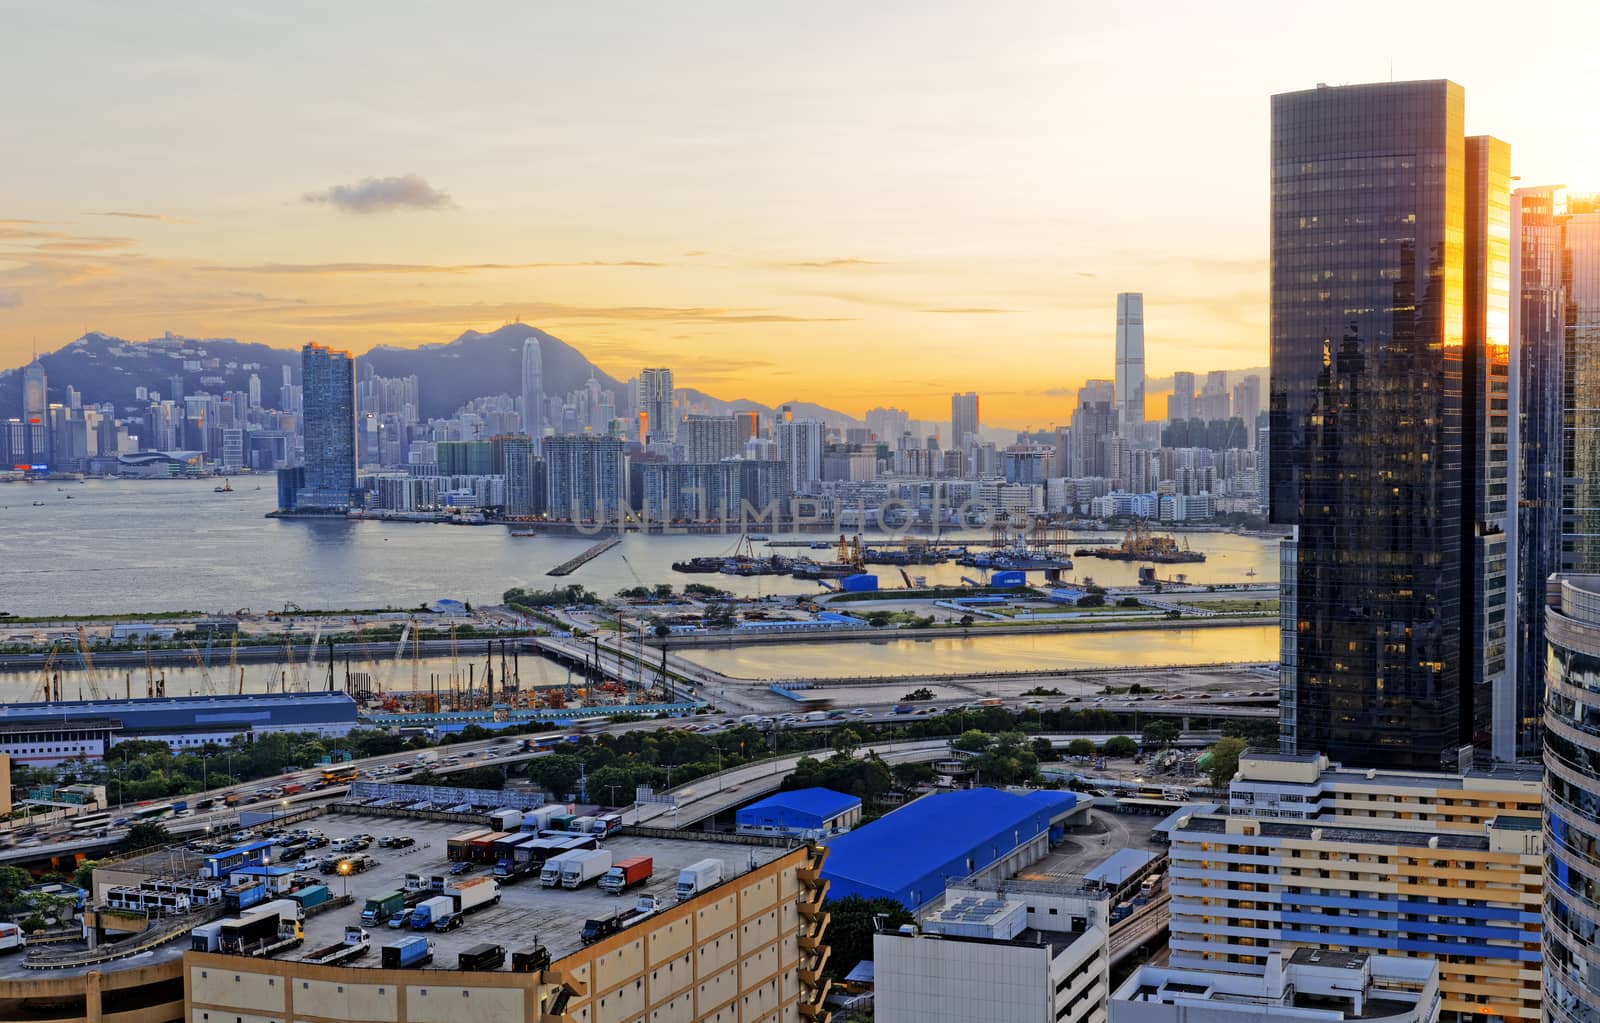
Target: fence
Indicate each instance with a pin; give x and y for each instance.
(144, 941)
(770, 841)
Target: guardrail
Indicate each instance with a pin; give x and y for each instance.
(144, 941)
(363, 810)
(1018, 676)
(771, 841)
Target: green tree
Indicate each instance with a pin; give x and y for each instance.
(1161, 733)
(852, 923)
(972, 741)
(1224, 761)
(966, 621)
(846, 741)
(1081, 747)
(1119, 746)
(1092, 600)
(662, 630)
(556, 773)
(612, 785)
(910, 775)
(1044, 749)
(146, 835)
(83, 877)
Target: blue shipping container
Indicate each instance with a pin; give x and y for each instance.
(863, 583)
(1009, 579)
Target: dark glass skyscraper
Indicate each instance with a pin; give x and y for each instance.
(1367, 227)
(328, 380)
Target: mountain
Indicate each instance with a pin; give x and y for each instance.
(700, 402)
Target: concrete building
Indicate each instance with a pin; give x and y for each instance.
(1310, 855)
(1130, 362)
(532, 405)
(977, 959)
(964, 419)
(1572, 800)
(655, 407)
(1313, 986)
(584, 478)
(328, 378)
(707, 439)
(800, 450)
(802, 813)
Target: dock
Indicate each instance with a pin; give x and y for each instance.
(571, 565)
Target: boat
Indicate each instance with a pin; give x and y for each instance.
(523, 531)
(1139, 544)
(759, 538)
(1249, 573)
(1016, 560)
(226, 488)
(694, 565)
(808, 569)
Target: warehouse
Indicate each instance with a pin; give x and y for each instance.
(803, 813)
(909, 854)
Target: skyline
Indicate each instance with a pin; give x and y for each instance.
(894, 196)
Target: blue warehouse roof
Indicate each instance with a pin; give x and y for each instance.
(816, 802)
(908, 855)
(168, 713)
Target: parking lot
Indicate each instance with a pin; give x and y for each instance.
(527, 914)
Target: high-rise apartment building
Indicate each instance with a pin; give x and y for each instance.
(964, 421)
(655, 406)
(800, 450)
(1130, 362)
(710, 438)
(889, 425)
(1247, 400)
(584, 478)
(1369, 215)
(328, 380)
(1181, 402)
(533, 391)
(1094, 422)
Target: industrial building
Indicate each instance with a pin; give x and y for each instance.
(802, 813)
(1434, 866)
(43, 734)
(909, 854)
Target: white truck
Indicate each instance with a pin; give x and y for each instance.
(437, 913)
(584, 867)
(506, 819)
(355, 945)
(550, 873)
(12, 939)
(473, 893)
(697, 877)
(539, 820)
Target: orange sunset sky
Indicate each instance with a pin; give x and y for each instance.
(856, 204)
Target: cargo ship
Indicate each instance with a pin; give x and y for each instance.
(1139, 544)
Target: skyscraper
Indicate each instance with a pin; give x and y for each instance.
(35, 406)
(1540, 269)
(328, 382)
(800, 450)
(1368, 188)
(533, 391)
(1180, 404)
(655, 404)
(584, 478)
(964, 420)
(1130, 361)
(1094, 422)
(710, 438)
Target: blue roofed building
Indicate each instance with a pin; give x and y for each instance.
(909, 854)
(803, 813)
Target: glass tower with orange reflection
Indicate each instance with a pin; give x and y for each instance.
(1370, 462)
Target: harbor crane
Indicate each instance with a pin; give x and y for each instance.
(88, 664)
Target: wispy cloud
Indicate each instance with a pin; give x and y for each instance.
(10, 298)
(826, 264)
(382, 195)
(129, 215)
(415, 268)
(968, 311)
(88, 245)
(548, 312)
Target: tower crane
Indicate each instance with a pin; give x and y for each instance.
(207, 685)
(88, 664)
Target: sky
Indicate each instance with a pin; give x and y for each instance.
(856, 204)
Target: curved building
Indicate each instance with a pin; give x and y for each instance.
(1572, 800)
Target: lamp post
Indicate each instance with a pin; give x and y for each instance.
(344, 872)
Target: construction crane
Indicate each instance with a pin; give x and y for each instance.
(207, 685)
(88, 664)
(907, 577)
(47, 694)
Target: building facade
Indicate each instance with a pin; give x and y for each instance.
(1572, 801)
(655, 405)
(533, 391)
(329, 382)
(1130, 362)
(964, 421)
(584, 478)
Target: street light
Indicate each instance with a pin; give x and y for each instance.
(344, 872)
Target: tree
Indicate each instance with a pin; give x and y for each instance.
(556, 773)
(846, 741)
(83, 877)
(910, 775)
(1224, 761)
(971, 741)
(1081, 748)
(1119, 746)
(852, 923)
(966, 621)
(662, 630)
(1044, 749)
(1092, 600)
(1161, 733)
(146, 835)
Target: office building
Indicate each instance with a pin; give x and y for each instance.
(964, 421)
(1181, 402)
(655, 407)
(1094, 424)
(1308, 854)
(584, 478)
(328, 380)
(1572, 800)
(35, 413)
(1247, 400)
(533, 391)
(1368, 418)
(1130, 362)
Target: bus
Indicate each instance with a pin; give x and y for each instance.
(91, 822)
(339, 774)
(153, 813)
(589, 726)
(1150, 887)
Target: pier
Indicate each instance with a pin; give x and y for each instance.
(571, 565)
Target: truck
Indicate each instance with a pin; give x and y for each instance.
(506, 819)
(606, 823)
(550, 872)
(311, 896)
(483, 846)
(501, 853)
(513, 863)
(293, 789)
(438, 911)
(905, 708)
(180, 808)
(581, 825)
(530, 960)
(603, 927)
(482, 957)
(539, 820)
(355, 945)
(207, 937)
(416, 883)
(415, 951)
(473, 893)
(380, 908)
(459, 847)
(11, 938)
(584, 867)
(697, 877)
(624, 874)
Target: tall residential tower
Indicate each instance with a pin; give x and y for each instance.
(328, 381)
(1130, 362)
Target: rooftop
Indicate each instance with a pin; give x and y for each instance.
(1119, 866)
(819, 801)
(1271, 828)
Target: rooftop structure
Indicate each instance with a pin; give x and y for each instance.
(813, 812)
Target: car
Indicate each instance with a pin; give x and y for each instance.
(121, 822)
(459, 867)
(386, 842)
(404, 842)
(859, 712)
(239, 836)
(316, 841)
(306, 863)
(328, 864)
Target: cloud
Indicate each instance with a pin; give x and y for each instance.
(827, 264)
(10, 298)
(968, 311)
(160, 217)
(88, 245)
(381, 195)
(332, 316)
(414, 268)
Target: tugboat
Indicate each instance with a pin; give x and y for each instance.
(226, 488)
